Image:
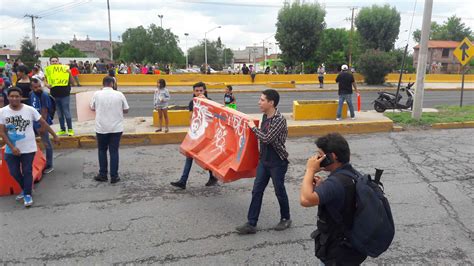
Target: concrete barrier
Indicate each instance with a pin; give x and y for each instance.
(217, 85)
(317, 110)
(285, 85)
(260, 79)
(176, 118)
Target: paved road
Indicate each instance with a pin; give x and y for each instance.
(428, 179)
(141, 104)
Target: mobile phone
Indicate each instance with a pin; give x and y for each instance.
(327, 160)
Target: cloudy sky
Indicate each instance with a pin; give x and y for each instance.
(244, 22)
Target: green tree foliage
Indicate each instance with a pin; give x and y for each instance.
(299, 30)
(63, 50)
(375, 65)
(452, 29)
(28, 54)
(379, 26)
(398, 55)
(151, 45)
(215, 54)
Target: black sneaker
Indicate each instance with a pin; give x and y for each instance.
(282, 225)
(178, 184)
(246, 229)
(212, 182)
(114, 180)
(100, 178)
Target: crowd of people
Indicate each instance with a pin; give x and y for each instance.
(28, 111)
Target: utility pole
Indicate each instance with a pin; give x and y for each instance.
(33, 29)
(350, 37)
(110, 33)
(422, 58)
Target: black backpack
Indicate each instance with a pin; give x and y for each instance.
(373, 228)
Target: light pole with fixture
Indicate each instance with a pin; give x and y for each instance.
(161, 20)
(186, 34)
(205, 45)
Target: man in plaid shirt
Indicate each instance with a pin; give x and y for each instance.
(273, 162)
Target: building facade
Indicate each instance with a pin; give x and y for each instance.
(441, 59)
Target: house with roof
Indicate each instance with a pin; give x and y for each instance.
(441, 59)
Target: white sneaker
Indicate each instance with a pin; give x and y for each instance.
(338, 119)
(353, 118)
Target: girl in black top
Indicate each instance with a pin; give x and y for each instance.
(23, 82)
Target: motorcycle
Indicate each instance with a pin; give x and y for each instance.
(387, 100)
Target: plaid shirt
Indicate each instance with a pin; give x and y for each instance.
(276, 134)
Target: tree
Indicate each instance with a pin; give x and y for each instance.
(451, 30)
(28, 54)
(63, 50)
(379, 26)
(152, 45)
(375, 65)
(217, 54)
(299, 30)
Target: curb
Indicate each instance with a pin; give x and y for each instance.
(152, 138)
(453, 125)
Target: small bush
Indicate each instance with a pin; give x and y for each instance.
(375, 65)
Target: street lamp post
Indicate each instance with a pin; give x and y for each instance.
(264, 52)
(161, 20)
(186, 34)
(205, 44)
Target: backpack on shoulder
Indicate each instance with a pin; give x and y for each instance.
(373, 228)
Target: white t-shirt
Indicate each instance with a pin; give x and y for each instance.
(19, 126)
(109, 105)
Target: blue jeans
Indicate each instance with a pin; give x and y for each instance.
(277, 174)
(64, 112)
(111, 142)
(348, 99)
(21, 168)
(187, 168)
(48, 147)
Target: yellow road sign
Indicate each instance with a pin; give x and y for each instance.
(464, 52)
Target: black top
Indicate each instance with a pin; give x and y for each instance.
(25, 90)
(61, 91)
(228, 98)
(345, 80)
(268, 155)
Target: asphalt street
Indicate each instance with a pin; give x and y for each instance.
(142, 104)
(428, 179)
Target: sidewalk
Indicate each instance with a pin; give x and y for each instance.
(259, 88)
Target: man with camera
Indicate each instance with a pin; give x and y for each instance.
(335, 197)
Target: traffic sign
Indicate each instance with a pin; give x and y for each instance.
(464, 52)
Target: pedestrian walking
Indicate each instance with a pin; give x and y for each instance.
(273, 162)
(346, 82)
(321, 73)
(16, 130)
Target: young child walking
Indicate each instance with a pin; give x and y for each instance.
(160, 100)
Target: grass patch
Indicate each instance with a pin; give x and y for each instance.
(446, 114)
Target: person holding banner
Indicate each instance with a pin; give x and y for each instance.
(199, 90)
(59, 79)
(273, 162)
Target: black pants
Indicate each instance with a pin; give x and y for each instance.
(340, 254)
(111, 142)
